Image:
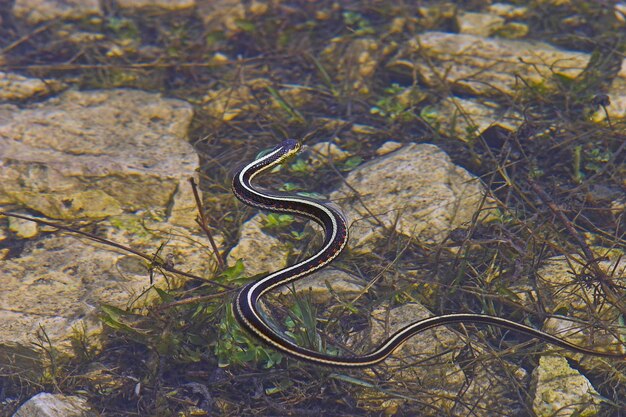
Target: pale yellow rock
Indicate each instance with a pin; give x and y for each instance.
(37, 11)
(168, 5)
(481, 24)
(416, 190)
(560, 391)
(467, 119)
(96, 154)
(17, 87)
(23, 228)
(323, 152)
(260, 252)
(485, 66)
(55, 405)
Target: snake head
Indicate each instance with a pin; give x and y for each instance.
(290, 147)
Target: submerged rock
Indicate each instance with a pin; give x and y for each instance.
(17, 87)
(568, 287)
(96, 154)
(560, 391)
(37, 11)
(468, 119)
(485, 66)
(260, 252)
(451, 370)
(120, 154)
(166, 5)
(55, 405)
(481, 24)
(416, 190)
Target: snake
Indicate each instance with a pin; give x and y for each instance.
(246, 303)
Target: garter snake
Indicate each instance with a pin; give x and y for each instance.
(245, 305)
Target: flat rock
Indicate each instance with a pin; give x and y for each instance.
(57, 287)
(485, 66)
(560, 391)
(24, 229)
(355, 61)
(222, 15)
(467, 119)
(167, 5)
(260, 252)
(323, 152)
(59, 283)
(433, 361)
(120, 154)
(37, 11)
(415, 190)
(55, 405)
(17, 87)
(565, 286)
(228, 103)
(481, 24)
(96, 154)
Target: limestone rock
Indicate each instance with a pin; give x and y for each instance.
(417, 190)
(37, 11)
(59, 283)
(388, 147)
(485, 66)
(355, 61)
(260, 252)
(508, 10)
(227, 103)
(222, 15)
(560, 391)
(57, 286)
(449, 386)
(467, 119)
(480, 24)
(17, 87)
(95, 154)
(116, 153)
(55, 405)
(566, 287)
(167, 5)
(23, 228)
(323, 152)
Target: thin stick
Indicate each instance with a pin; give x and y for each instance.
(26, 37)
(191, 300)
(202, 222)
(160, 263)
(139, 65)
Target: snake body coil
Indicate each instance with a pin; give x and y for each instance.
(245, 305)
